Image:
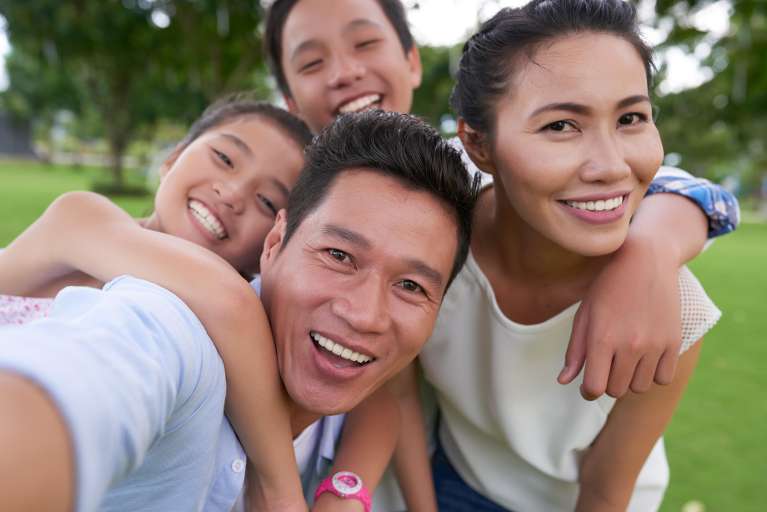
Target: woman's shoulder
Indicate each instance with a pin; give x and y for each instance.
(699, 313)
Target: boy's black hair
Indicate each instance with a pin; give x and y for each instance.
(492, 55)
(278, 13)
(396, 145)
(238, 105)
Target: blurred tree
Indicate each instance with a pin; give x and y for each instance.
(131, 62)
(431, 99)
(719, 127)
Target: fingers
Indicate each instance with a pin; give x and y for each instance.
(575, 357)
(664, 374)
(598, 364)
(644, 374)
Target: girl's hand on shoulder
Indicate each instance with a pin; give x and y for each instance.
(627, 330)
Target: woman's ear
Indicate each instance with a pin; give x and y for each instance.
(477, 146)
(273, 240)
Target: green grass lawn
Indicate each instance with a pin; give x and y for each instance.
(717, 442)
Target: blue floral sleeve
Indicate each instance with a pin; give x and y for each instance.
(719, 205)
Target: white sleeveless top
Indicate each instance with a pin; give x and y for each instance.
(510, 430)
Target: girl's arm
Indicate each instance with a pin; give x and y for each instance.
(411, 457)
(609, 468)
(367, 442)
(86, 232)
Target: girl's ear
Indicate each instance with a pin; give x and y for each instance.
(477, 146)
(273, 240)
(170, 160)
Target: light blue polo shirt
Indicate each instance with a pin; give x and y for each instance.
(141, 387)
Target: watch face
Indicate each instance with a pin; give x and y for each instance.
(347, 483)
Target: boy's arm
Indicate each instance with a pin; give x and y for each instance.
(86, 232)
(627, 328)
(610, 467)
(367, 442)
(411, 457)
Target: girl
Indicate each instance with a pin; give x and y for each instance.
(221, 189)
(553, 100)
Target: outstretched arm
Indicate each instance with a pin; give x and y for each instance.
(86, 232)
(627, 328)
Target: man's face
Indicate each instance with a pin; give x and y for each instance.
(353, 295)
(344, 56)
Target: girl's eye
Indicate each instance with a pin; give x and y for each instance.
(632, 118)
(412, 286)
(339, 255)
(560, 126)
(268, 203)
(224, 158)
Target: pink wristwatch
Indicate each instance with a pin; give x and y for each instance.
(347, 485)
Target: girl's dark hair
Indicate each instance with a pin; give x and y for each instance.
(396, 145)
(490, 56)
(278, 15)
(238, 105)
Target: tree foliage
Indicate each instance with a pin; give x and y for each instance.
(131, 62)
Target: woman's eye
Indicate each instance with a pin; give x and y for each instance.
(560, 126)
(412, 286)
(632, 118)
(224, 158)
(339, 255)
(268, 203)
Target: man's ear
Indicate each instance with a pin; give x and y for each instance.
(273, 240)
(477, 146)
(416, 69)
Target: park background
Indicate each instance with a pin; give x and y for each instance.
(93, 94)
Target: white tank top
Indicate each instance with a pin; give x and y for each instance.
(510, 430)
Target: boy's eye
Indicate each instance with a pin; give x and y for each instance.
(632, 118)
(224, 158)
(268, 203)
(366, 43)
(309, 66)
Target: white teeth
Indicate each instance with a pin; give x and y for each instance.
(339, 350)
(359, 104)
(597, 206)
(207, 219)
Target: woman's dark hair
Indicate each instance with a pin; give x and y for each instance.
(490, 56)
(396, 145)
(239, 105)
(278, 15)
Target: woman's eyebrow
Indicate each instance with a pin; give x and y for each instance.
(579, 108)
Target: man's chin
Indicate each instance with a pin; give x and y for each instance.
(325, 402)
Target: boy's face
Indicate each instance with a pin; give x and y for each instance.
(344, 55)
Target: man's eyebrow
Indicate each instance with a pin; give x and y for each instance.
(578, 108)
(347, 235)
(241, 144)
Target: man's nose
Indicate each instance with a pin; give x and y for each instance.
(364, 305)
(345, 70)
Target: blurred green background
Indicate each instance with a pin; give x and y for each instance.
(98, 91)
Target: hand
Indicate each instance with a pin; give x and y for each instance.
(329, 502)
(627, 330)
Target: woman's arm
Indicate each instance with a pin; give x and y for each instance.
(609, 468)
(86, 232)
(367, 442)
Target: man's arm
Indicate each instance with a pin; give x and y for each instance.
(627, 328)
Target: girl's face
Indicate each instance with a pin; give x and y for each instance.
(224, 189)
(576, 146)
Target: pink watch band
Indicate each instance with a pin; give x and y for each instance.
(347, 485)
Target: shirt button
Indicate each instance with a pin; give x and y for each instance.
(238, 465)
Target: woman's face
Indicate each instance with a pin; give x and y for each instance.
(575, 146)
(224, 189)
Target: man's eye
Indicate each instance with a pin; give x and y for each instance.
(223, 157)
(632, 118)
(412, 286)
(339, 255)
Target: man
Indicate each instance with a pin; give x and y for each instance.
(116, 401)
